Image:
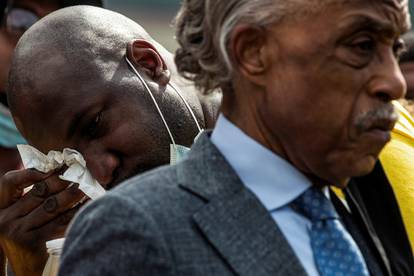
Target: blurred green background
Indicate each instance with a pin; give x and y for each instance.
(156, 16)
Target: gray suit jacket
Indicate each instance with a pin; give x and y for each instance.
(195, 218)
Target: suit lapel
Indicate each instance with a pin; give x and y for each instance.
(364, 223)
(361, 236)
(381, 212)
(233, 220)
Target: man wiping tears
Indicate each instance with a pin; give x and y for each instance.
(117, 100)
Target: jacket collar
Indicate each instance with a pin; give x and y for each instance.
(233, 219)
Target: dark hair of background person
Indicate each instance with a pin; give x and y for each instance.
(3, 6)
(67, 3)
(408, 55)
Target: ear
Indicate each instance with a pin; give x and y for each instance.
(145, 57)
(247, 46)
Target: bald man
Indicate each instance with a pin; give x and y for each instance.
(79, 79)
(16, 16)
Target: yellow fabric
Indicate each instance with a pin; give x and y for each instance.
(397, 159)
(339, 193)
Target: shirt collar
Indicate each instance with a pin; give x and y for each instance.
(274, 180)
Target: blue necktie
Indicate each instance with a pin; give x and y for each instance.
(335, 252)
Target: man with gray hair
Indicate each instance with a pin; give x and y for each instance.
(307, 90)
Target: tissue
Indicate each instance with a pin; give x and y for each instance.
(76, 172)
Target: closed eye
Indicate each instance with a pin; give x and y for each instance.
(92, 128)
(363, 46)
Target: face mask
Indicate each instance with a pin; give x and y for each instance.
(9, 135)
(177, 152)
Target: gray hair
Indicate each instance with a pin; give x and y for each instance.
(204, 28)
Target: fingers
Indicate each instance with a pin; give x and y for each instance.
(53, 206)
(40, 191)
(45, 222)
(49, 186)
(13, 183)
(56, 228)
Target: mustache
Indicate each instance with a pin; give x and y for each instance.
(383, 118)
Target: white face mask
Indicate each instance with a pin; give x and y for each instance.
(177, 152)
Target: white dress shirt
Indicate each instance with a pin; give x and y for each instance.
(273, 180)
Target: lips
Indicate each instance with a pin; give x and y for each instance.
(384, 124)
(380, 130)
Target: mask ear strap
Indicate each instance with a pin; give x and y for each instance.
(153, 99)
(188, 106)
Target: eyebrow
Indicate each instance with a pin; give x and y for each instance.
(364, 22)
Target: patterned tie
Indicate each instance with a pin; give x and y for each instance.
(334, 250)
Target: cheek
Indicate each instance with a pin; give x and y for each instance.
(131, 137)
(126, 139)
(315, 119)
(316, 104)
(135, 149)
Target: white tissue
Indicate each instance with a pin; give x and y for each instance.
(76, 172)
(55, 245)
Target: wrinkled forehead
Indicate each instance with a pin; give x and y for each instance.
(396, 11)
(387, 18)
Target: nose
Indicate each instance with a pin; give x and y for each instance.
(102, 164)
(389, 83)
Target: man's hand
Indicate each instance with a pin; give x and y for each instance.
(28, 221)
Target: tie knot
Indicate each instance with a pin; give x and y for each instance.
(314, 205)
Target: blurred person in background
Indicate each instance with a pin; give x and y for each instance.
(95, 101)
(407, 68)
(16, 16)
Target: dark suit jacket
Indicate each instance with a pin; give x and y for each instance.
(374, 196)
(195, 218)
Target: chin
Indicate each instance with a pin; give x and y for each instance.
(364, 166)
(341, 183)
(360, 167)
